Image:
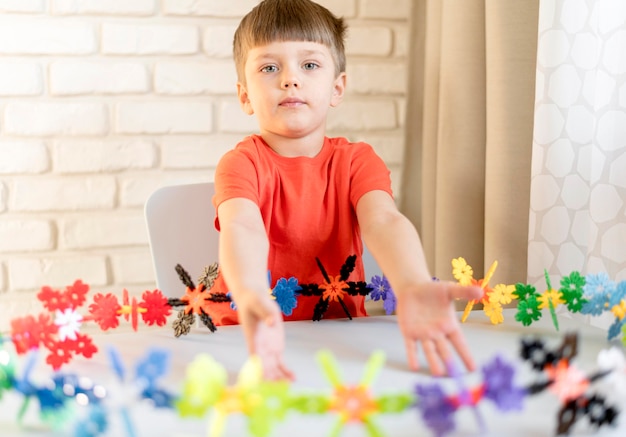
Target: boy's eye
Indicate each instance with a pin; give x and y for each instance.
(269, 69)
(310, 66)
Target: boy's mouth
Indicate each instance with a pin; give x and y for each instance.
(291, 102)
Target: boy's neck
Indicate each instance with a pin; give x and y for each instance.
(309, 146)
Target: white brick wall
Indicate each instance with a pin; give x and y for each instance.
(20, 79)
(104, 101)
(39, 119)
(77, 77)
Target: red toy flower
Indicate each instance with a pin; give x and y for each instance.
(83, 345)
(157, 308)
(104, 311)
(47, 330)
(60, 353)
(25, 334)
(76, 294)
(72, 297)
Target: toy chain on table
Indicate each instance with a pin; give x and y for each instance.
(593, 294)
(58, 328)
(57, 331)
(77, 404)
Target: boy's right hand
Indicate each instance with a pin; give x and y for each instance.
(262, 324)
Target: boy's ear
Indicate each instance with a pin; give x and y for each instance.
(244, 101)
(339, 89)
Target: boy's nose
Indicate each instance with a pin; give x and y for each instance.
(290, 82)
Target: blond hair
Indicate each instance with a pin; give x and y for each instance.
(289, 20)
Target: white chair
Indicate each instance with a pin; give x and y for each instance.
(181, 231)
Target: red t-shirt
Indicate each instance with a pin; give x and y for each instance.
(308, 206)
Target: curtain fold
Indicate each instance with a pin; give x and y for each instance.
(469, 132)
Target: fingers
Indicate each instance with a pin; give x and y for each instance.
(432, 358)
(460, 345)
(285, 372)
(468, 292)
(411, 353)
(275, 370)
(438, 353)
(269, 344)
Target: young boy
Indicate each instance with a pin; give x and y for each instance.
(290, 195)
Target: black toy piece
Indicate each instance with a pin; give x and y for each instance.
(184, 321)
(593, 406)
(333, 290)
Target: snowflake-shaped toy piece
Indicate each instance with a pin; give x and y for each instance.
(353, 403)
(335, 288)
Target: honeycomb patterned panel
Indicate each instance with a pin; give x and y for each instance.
(578, 188)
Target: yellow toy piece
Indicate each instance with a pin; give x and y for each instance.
(493, 298)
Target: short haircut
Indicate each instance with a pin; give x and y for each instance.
(289, 20)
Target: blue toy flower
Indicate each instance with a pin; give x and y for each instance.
(599, 291)
(285, 292)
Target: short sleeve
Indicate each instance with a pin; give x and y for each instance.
(368, 173)
(235, 176)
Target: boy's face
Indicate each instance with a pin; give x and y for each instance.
(290, 86)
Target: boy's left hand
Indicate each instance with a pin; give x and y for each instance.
(426, 315)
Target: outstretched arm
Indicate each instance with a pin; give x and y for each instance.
(243, 253)
(425, 308)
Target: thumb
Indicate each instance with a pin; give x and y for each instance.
(469, 292)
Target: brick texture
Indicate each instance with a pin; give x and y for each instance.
(23, 36)
(40, 119)
(19, 157)
(111, 7)
(20, 79)
(74, 78)
(26, 235)
(31, 6)
(104, 101)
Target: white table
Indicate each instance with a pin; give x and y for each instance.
(352, 343)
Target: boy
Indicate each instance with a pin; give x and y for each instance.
(290, 195)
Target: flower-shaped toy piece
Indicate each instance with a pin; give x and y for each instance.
(530, 302)
(57, 330)
(206, 387)
(381, 290)
(601, 294)
(493, 298)
(438, 409)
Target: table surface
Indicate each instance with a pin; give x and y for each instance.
(351, 342)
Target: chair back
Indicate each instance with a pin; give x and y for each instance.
(181, 231)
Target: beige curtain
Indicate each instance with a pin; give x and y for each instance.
(466, 179)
